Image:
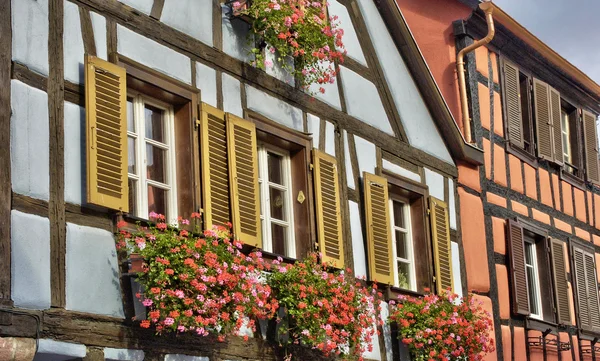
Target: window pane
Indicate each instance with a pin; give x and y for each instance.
(154, 123)
(155, 163)
(277, 198)
(132, 197)
(401, 245)
(529, 249)
(131, 155)
(399, 214)
(157, 200)
(130, 122)
(278, 238)
(275, 168)
(533, 291)
(403, 275)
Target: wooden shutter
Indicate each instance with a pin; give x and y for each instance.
(329, 220)
(559, 276)
(512, 100)
(379, 240)
(215, 170)
(243, 180)
(516, 245)
(592, 288)
(586, 285)
(543, 119)
(442, 251)
(555, 115)
(591, 147)
(106, 130)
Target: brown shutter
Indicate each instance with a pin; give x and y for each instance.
(591, 146)
(106, 140)
(379, 240)
(581, 288)
(516, 247)
(442, 252)
(329, 220)
(243, 180)
(215, 170)
(543, 119)
(592, 288)
(512, 100)
(559, 276)
(555, 112)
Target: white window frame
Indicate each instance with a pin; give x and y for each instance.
(265, 208)
(566, 136)
(536, 282)
(412, 281)
(141, 197)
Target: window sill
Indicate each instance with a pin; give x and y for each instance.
(522, 154)
(540, 325)
(572, 180)
(392, 292)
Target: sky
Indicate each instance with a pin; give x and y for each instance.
(567, 26)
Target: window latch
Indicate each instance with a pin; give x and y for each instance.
(196, 124)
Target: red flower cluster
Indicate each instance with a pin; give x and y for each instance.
(443, 328)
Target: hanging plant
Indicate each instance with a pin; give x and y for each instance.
(443, 327)
(295, 29)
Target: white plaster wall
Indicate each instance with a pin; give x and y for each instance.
(121, 354)
(273, 108)
(177, 357)
(29, 141)
(99, 28)
(435, 182)
(235, 37)
(277, 70)
(75, 170)
(30, 34)
(387, 334)
(73, 44)
(362, 100)
(419, 125)
(51, 350)
(387, 165)
(144, 6)
(232, 97)
(92, 273)
(456, 269)
(329, 138)
(350, 39)
(314, 128)
(153, 54)
(358, 245)
(452, 204)
(332, 93)
(30, 266)
(347, 160)
(366, 154)
(193, 17)
(206, 81)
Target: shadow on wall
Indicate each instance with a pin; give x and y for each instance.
(236, 41)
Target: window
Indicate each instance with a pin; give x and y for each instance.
(533, 280)
(276, 213)
(151, 158)
(586, 286)
(403, 245)
(526, 118)
(571, 139)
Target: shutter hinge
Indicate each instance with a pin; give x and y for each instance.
(311, 166)
(196, 124)
(428, 211)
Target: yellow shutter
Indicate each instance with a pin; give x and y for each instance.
(243, 180)
(329, 220)
(440, 232)
(215, 172)
(106, 130)
(379, 240)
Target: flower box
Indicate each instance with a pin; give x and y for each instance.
(238, 7)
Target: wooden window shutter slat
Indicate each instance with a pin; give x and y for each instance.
(327, 197)
(442, 251)
(215, 167)
(512, 99)
(106, 129)
(379, 240)
(591, 147)
(543, 119)
(581, 289)
(555, 112)
(243, 180)
(592, 288)
(516, 245)
(561, 288)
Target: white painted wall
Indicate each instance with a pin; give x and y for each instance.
(435, 182)
(350, 39)
(121, 354)
(51, 350)
(29, 141)
(394, 168)
(192, 17)
(92, 272)
(30, 34)
(331, 95)
(452, 204)
(206, 81)
(73, 44)
(366, 154)
(30, 255)
(314, 128)
(235, 37)
(99, 28)
(145, 6)
(348, 161)
(75, 154)
(273, 108)
(177, 357)
(330, 138)
(358, 245)
(457, 279)
(232, 97)
(277, 70)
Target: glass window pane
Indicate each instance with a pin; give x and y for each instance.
(132, 197)
(278, 238)
(533, 305)
(277, 200)
(131, 155)
(529, 248)
(157, 200)
(401, 245)
(154, 123)
(275, 168)
(155, 163)
(403, 275)
(399, 218)
(130, 122)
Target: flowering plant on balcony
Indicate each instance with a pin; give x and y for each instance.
(440, 328)
(296, 29)
(331, 312)
(198, 283)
